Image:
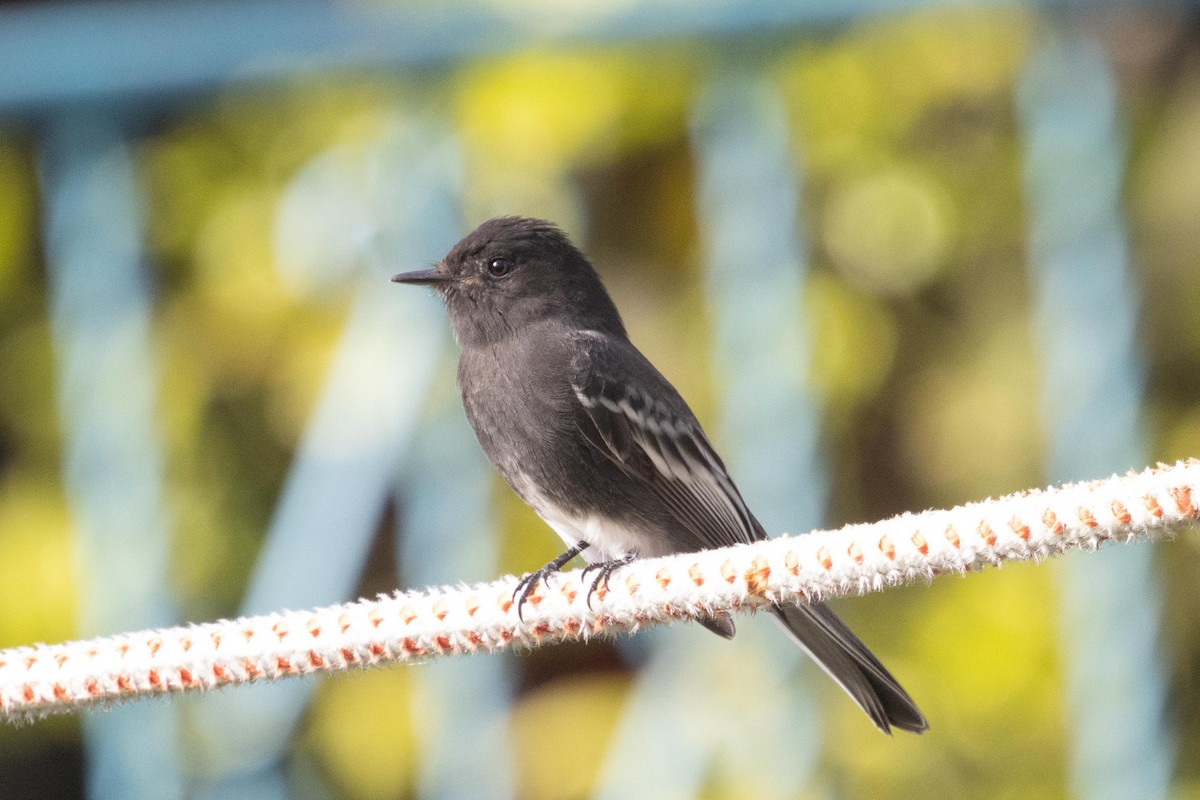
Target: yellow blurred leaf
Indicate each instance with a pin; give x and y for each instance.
(359, 729)
(890, 231)
(560, 733)
(38, 571)
(17, 215)
(854, 341)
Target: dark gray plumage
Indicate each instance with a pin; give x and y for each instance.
(597, 441)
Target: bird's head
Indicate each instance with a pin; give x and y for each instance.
(511, 273)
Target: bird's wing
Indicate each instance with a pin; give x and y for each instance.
(640, 422)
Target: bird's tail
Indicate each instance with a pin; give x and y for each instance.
(848, 661)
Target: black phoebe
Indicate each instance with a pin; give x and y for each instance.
(596, 440)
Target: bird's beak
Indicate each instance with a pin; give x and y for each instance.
(423, 277)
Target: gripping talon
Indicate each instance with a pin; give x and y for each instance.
(529, 581)
(604, 568)
(527, 585)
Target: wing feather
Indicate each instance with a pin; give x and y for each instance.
(621, 418)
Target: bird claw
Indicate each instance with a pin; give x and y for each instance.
(604, 568)
(528, 584)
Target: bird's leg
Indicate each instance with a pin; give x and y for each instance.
(604, 568)
(529, 582)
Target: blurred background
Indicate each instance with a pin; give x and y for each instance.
(894, 259)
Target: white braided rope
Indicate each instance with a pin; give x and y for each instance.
(423, 625)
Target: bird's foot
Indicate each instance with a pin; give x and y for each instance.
(604, 569)
(529, 582)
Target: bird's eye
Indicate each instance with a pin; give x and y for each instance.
(499, 267)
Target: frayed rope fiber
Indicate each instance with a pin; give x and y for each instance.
(423, 625)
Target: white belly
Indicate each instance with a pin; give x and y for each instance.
(607, 540)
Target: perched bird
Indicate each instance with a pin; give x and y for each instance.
(598, 442)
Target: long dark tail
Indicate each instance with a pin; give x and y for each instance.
(848, 661)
